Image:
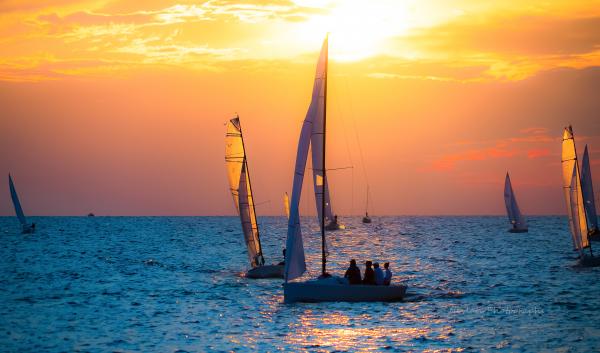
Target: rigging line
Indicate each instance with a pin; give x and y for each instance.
(348, 150)
(360, 150)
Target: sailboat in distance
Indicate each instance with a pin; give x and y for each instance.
(366, 218)
(326, 287)
(587, 190)
(241, 191)
(286, 205)
(578, 222)
(516, 219)
(26, 227)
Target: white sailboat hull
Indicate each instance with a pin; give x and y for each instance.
(266, 271)
(332, 291)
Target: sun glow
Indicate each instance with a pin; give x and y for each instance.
(356, 30)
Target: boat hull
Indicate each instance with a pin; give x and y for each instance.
(314, 292)
(513, 230)
(594, 235)
(589, 261)
(366, 220)
(266, 271)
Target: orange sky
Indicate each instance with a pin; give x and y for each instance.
(118, 107)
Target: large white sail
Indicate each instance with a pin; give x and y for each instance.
(588, 191)
(239, 184)
(295, 264)
(512, 208)
(16, 202)
(579, 233)
(572, 189)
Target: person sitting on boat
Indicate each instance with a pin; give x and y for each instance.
(378, 274)
(387, 279)
(353, 273)
(282, 263)
(369, 274)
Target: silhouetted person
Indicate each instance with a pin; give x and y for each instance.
(387, 279)
(369, 274)
(282, 263)
(353, 273)
(378, 274)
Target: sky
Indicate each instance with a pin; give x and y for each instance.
(119, 107)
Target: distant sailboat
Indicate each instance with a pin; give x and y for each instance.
(326, 287)
(366, 218)
(241, 190)
(26, 227)
(578, 222)
(286, 205)
(518, 222)
(588, 196)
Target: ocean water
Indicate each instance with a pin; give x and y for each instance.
(175, 284)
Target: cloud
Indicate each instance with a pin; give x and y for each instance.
(537, 153)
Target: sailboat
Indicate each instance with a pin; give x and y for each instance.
(286, 204)
(241, 190)
(366, 218)
(588, 196)
(516, 219)
(26, 227)
(325, 287)
(578, 222)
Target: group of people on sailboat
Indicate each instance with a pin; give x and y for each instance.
(374, 275)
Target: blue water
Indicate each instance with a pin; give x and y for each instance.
(164, 284)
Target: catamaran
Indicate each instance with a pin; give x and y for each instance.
(26, 227)
(326, 287)
(578, 221)
(241, 190)
(588, 196)
(516, 219)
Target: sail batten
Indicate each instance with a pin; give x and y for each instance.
(241, 190)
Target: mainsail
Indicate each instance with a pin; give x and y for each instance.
(512, 208)
(572, 191)
(295, 264)
(16, 203)
(241, 190)
(588, 191)
(286, 204)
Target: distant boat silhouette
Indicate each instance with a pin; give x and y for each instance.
(516, 219)
(26, 227)
(91, 214)
(286, 204)
(241, 191)
(366, 218)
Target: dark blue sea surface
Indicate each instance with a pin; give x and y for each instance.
(175, 284)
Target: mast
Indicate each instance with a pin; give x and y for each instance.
(251, 193)
(323, 255)
(367, 208)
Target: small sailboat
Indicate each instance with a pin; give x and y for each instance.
(326, 287)
(241, 190)
(366, 218)
(588, 196)
(26, 227)
(516, 219)
(578, 222)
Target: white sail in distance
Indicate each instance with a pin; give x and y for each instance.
(295, 264)
(286, 204)
(588, 191)
(16, 202)
(512, 208)
(241, 190)
(572, 189)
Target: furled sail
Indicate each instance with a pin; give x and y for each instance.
(588, 191)
(512, 208)
(295, 264)
(572, 189)
(578, 228)
(16, 203)
(239, 183)
(286, 204)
